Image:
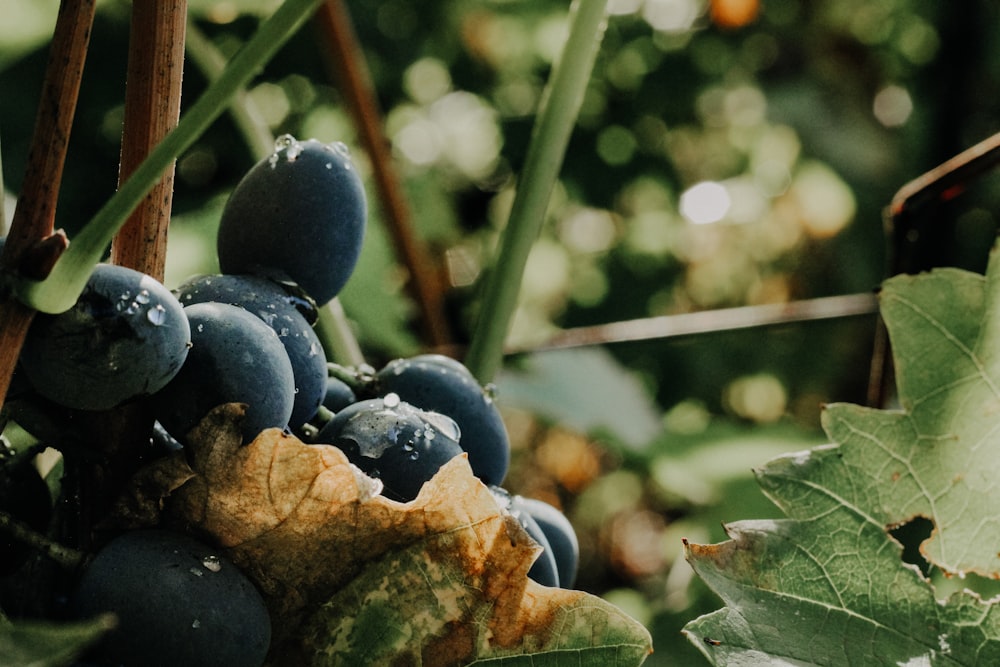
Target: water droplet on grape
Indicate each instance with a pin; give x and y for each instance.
(414, 455)
(340, 148)
(283, 141)
(142, 297)
(442, 424)
(293, 151)
(196, 624)
(391, 400)
(196, 572)
(490, 391)
(157, 315)
(212, 563)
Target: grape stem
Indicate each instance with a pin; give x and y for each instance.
(63, 286)
(557, 115)
(31, 229)
(152, 108)
(67, 558)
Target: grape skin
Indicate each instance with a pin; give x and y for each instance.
(234, 358)
(394, 442)
(544, 570)
(177, 601)
(280, 310)
(441, 384)
(126, 336)
(301, 213)
(560, 535)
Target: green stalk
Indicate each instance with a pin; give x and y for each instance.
(557, 115)
(60, 290)
(332, 328)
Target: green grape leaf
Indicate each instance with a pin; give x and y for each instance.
(827, 585)
(351, 577)
(46, 644)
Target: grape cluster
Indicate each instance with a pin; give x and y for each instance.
(402, 422)
(289, 238)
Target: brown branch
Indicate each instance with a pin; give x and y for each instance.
(31, 231)
(350, 71)
(152, 109)
(710, 321)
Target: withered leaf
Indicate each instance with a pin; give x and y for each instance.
(352, 577)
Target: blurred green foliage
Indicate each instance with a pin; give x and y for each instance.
(713, 166)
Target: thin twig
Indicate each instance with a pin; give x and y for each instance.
(349, 69)
(34, 214)
(23, 533)
(710, 321)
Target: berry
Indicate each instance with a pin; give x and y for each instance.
(560, 535)
(234, 358)
(394, 442)
(338, 395)
(282, 310)
(126, 336)
(177, 601)
(441, 384)
(299, 213)
(544, 570)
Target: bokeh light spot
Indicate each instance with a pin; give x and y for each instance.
(705, 202)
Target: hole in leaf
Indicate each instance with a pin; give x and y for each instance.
(911, 534)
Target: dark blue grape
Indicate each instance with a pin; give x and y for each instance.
(234, 358)
(126, 336)
(441, 384)
(558, 531)
(394, 442)
(301, 213)
(177, 601)
(282, 311)
(338, 395)
(544, 570)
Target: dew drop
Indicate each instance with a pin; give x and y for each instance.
(142, 297)
(414, 455)
(490, 391)
(157, 316)
(201, 328)
(196, 572)
(408, 447)
(284, 141)
(293, 151)
(212, 563)
(196, 624)
(391, 400)
(340, 148)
